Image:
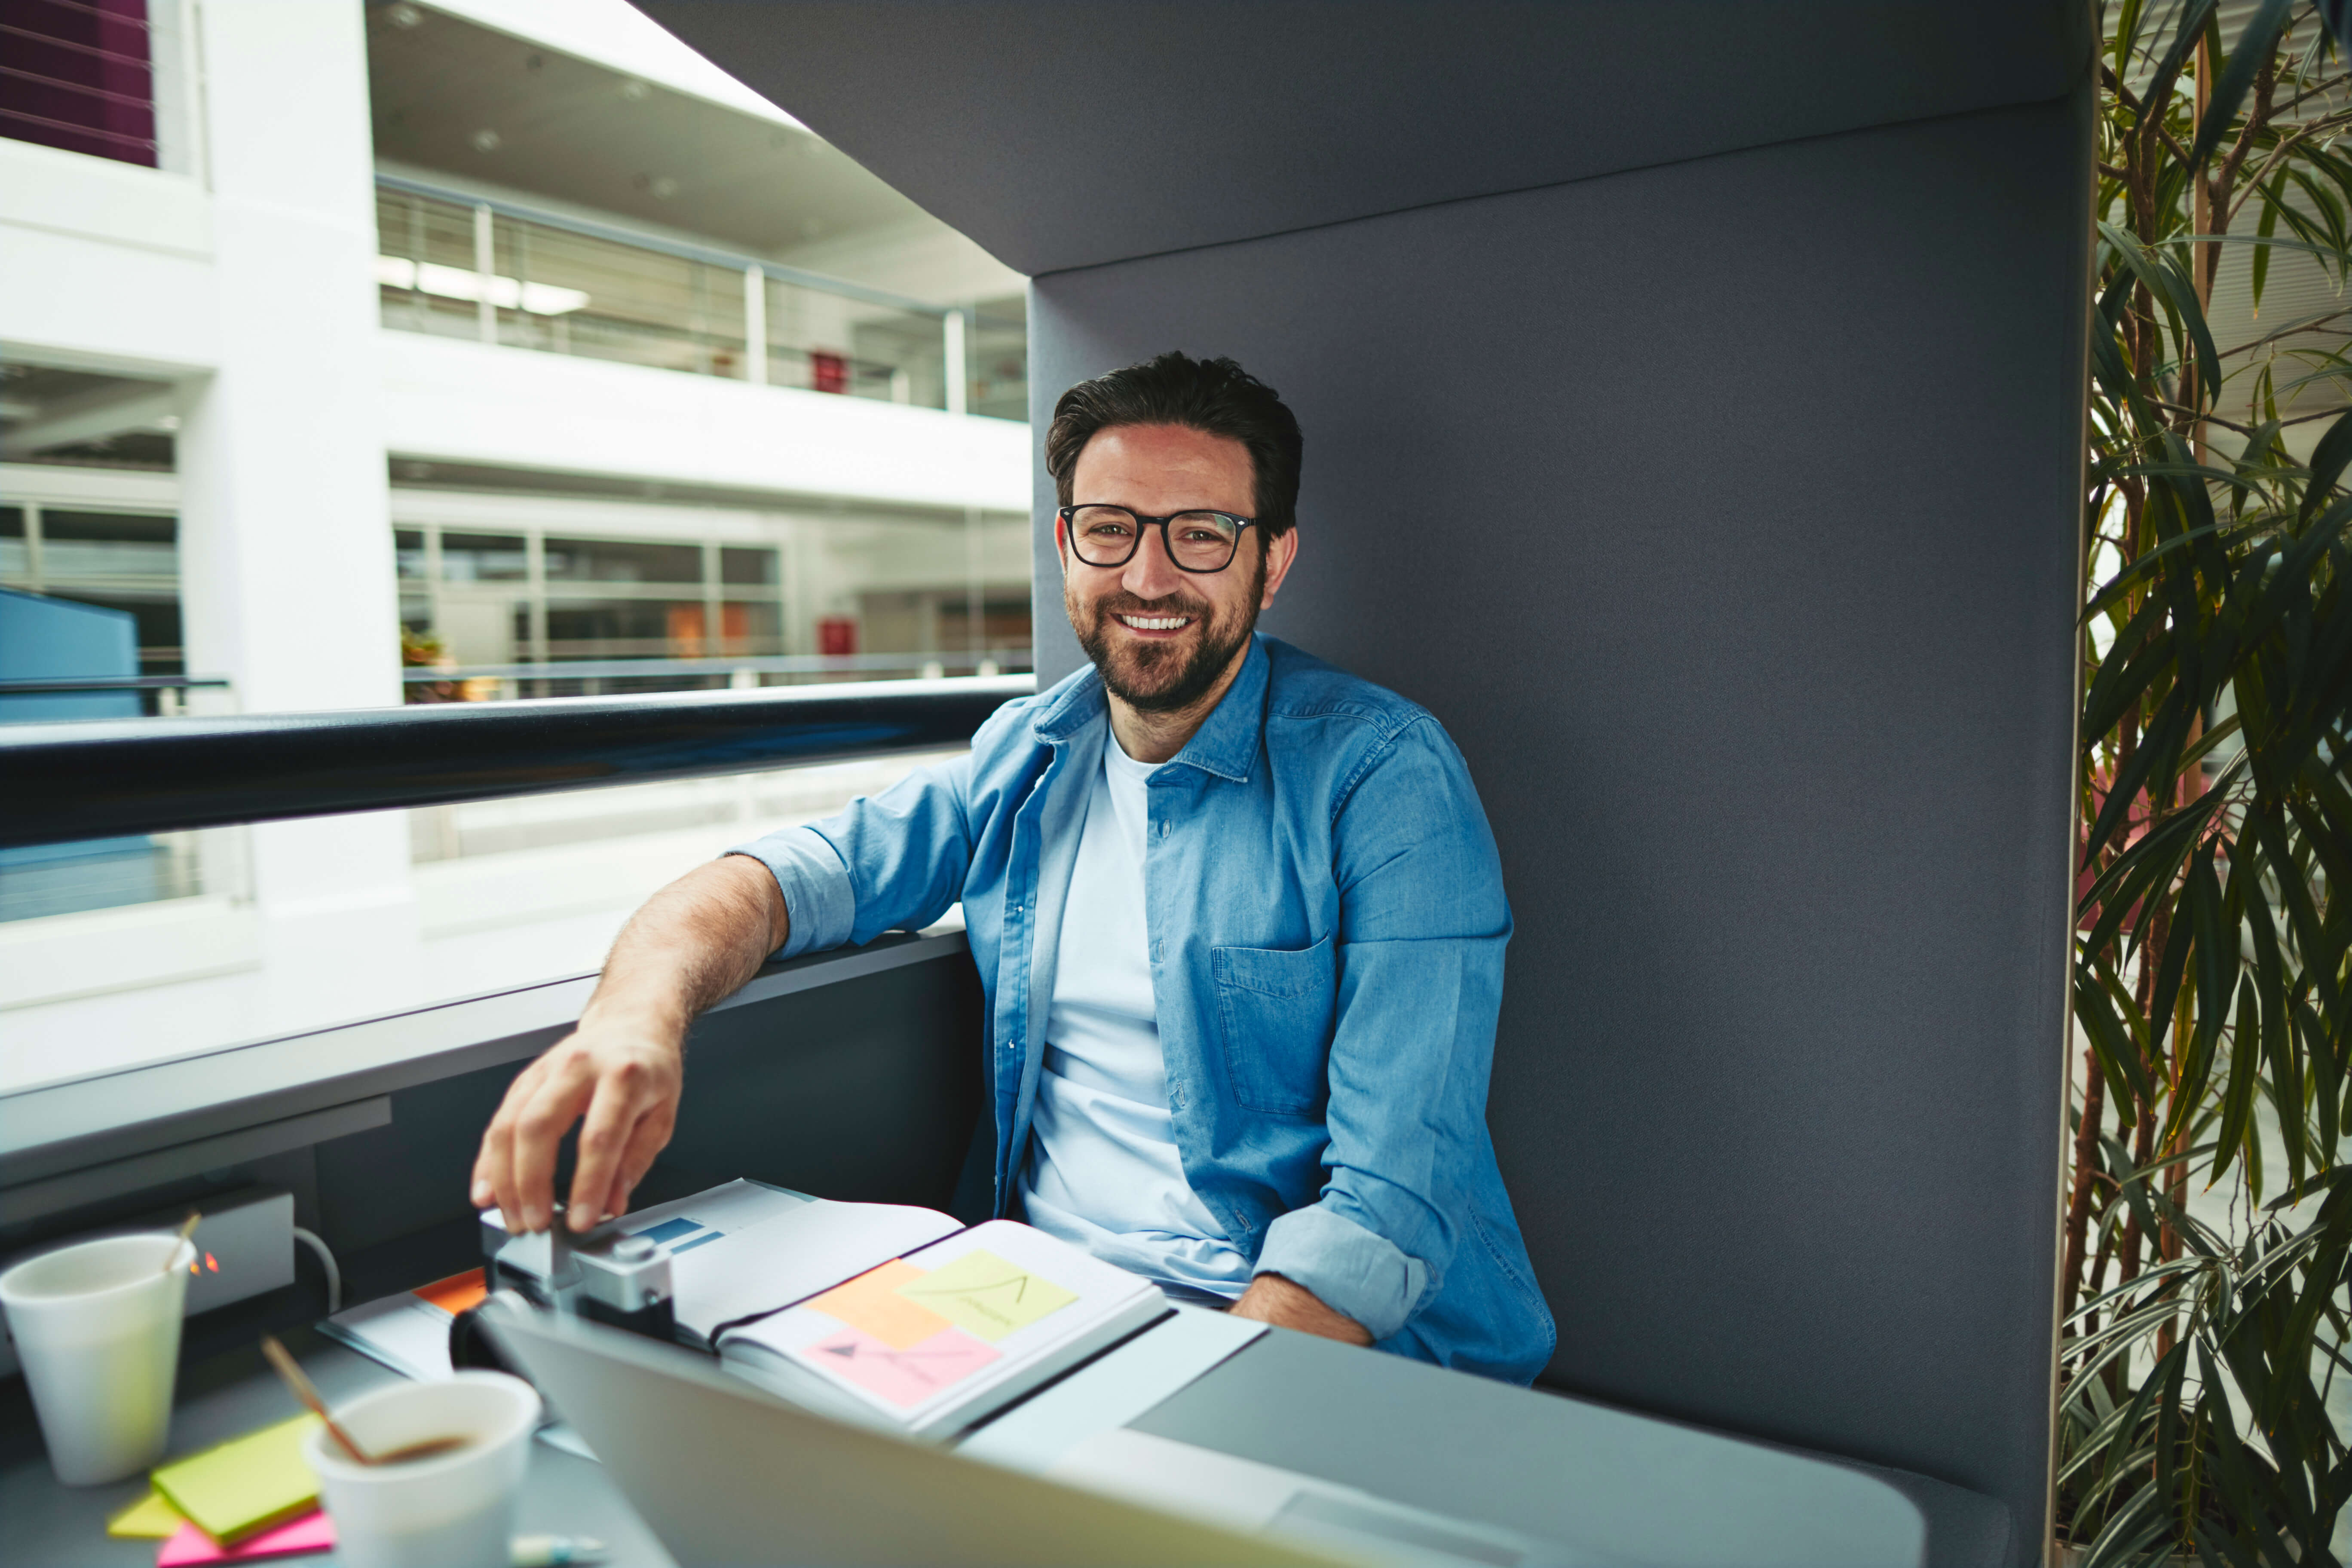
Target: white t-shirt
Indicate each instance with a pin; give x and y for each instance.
(1103, 1172)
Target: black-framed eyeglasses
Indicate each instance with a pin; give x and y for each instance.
(1196, 540)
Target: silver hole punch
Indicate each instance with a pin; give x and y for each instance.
(604, 1275)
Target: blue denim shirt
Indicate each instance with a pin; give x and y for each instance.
(1327, 921)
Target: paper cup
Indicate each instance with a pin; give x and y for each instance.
(455, 1511)
(96, 1327)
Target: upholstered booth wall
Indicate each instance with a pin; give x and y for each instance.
(1724, 514)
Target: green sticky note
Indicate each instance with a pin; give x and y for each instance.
(149, 1519)
(983, 1293)
(245, 1485)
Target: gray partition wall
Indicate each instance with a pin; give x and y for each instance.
(1693, 400)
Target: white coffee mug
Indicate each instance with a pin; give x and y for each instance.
(96, 1327)
(452, 1510)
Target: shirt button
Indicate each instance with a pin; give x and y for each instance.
(1163, 828)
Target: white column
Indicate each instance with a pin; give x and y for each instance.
(755, 326)
(287, 575)
(179, 110)
(486, 275)
(951, 324)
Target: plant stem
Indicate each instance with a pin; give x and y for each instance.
(2086, 1149)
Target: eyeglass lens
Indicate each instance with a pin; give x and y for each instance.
(1197, 541)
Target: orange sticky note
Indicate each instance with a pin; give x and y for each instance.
(870, 1302)
(455, 1293)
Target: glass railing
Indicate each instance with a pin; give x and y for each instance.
(452, 265)
(159, 896)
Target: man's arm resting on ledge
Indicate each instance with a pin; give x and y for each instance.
(690, 946)
(1271, 1299)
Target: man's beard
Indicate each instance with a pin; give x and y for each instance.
(1158, 678)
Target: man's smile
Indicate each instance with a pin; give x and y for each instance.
(1161, 624)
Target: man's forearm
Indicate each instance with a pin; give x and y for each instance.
(691, 947)
(1287, 1304)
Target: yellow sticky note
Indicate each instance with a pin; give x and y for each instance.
(245, 1486)
(983, 1293)
(872, 1302)
(149, 1519)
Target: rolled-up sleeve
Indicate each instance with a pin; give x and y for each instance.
(1350, 1269)
(1423, 925)
(891, 861)
(815, 884)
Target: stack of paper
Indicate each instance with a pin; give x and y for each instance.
(192, 1548)
(252, 1498)
(244, 1487)
(185, 1546)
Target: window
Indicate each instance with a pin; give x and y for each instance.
(99, 544)
(624, 628)
(484, 558)
(408, 555)
(116, 560)
(750, 629)
(747, 567)
(80, 79)
(616, 561)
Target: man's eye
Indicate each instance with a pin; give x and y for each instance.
(1106, 531)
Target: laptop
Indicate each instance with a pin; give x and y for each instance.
(724, 1472)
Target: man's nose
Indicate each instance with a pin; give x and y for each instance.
(1149, 573)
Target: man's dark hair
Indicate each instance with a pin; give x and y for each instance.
(1214, 397)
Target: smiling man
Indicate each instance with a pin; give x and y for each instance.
(1238, 916)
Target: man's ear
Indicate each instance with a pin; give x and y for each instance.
(1062, 543)
(1278, 557)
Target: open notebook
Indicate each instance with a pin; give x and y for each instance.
(935, 1339)
(745, 1248)
(895, 1316)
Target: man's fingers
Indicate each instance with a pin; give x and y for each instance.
(493, 1167)
(549, 1113)
(646, 1141)
(622, 1096)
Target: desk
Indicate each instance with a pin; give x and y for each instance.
(1550, 1466)
(52, 1526)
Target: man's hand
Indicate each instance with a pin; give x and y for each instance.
(692, 944)
(1271, 1299)
(627, 1079)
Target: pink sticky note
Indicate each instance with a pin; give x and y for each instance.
(906, 1376)
(314, 1532)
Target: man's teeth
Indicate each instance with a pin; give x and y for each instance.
(1155, 623)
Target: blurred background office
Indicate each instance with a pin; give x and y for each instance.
(354, 354)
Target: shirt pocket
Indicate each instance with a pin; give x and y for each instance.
(1274, 1013)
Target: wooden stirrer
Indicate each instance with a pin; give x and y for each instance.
(308, 1394)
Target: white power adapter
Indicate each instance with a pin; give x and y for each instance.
(245, 1246)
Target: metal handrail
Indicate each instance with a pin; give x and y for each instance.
(35, 685)
(763, 664)
(102, 778)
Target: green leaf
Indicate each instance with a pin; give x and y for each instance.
(2238, 1097)
(2164, 278)
(2255, 45)
(2265, 227)
(2328, 461)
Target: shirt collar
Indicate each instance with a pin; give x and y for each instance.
(1226, 743)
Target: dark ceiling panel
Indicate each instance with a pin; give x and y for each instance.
(1060, 135)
